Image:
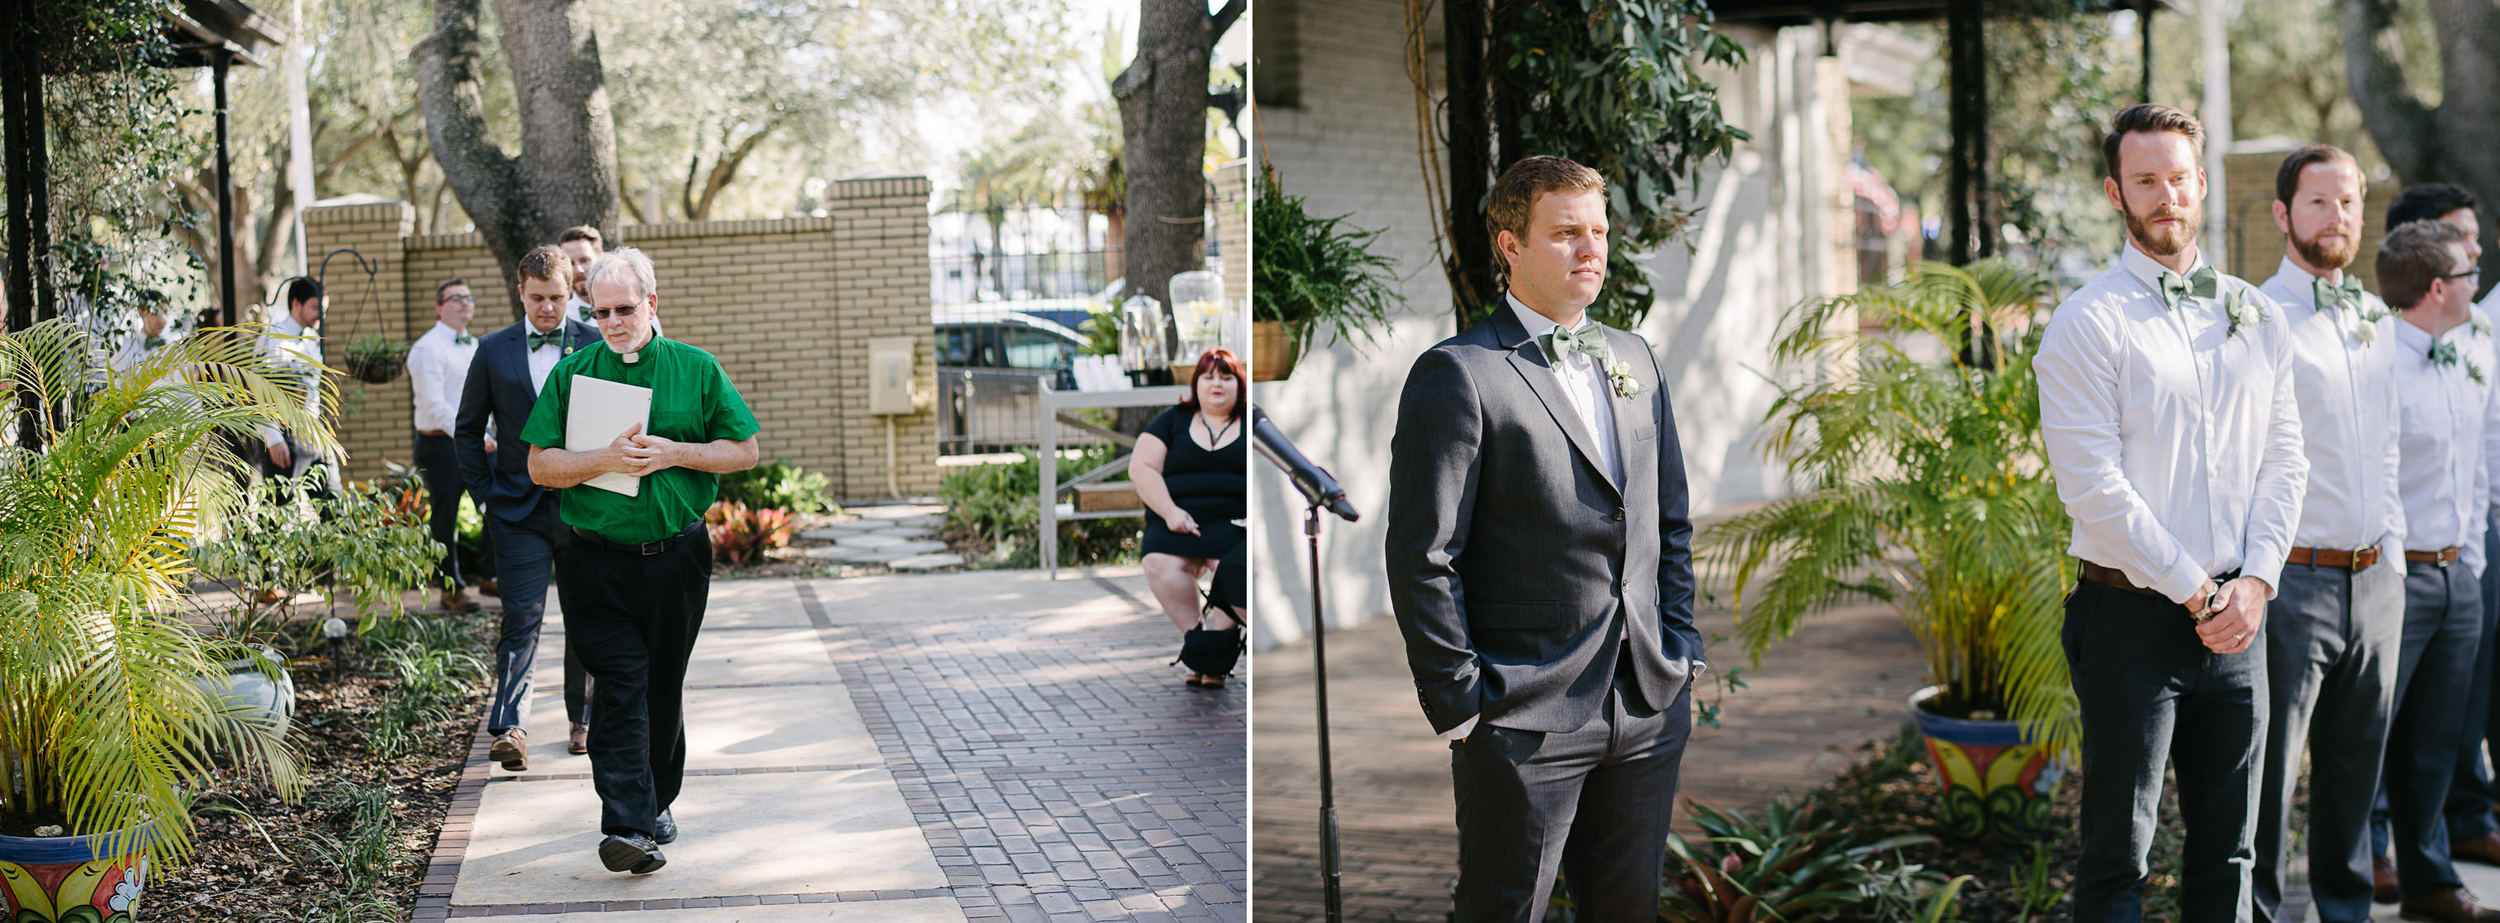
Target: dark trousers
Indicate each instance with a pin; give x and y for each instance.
(526, 555)
(2443, 632)
(2151, 693)
(2473, 793)
(633, 618)
(2332, 641)
(440, 468)
(1594, 803)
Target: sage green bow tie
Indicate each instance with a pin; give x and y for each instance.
(463, 340)
(2332, 295)
(153, 343)
(2444, 352)
(2203, 283)
(543, 339)
(1589, 340)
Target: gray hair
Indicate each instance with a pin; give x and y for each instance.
(634, 267)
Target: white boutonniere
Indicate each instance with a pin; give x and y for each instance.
(2482, 327)
(2241, 314)
(2367, 333)
(1620, 375)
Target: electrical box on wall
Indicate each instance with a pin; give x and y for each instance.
(890, 375)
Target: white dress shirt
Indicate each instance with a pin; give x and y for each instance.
(2446, 415)
(438, 367)
(298, 351)
(2175, 442)
(2344, 374)
(543, 359)
(1584, 385)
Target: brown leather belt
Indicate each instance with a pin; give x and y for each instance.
(2356, 559)
(2443, 557)
(2117, 579)
(432, 432)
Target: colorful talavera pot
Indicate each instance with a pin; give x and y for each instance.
(1995, 784)
(61, 880)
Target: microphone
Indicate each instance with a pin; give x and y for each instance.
(1316, 484)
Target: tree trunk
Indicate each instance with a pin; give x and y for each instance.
(1163, 124)
(2457, 141)
(1465, 25)
(566, 172)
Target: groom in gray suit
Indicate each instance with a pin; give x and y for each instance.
(1539, 561)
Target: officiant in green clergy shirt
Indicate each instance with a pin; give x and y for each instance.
(637, 569)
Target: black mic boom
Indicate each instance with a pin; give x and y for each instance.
(1316, 484)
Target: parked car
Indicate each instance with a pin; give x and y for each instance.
(991, 363)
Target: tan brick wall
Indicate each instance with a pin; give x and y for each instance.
(1232, 227)
(786, 305)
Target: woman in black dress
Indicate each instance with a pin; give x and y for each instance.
(1192, 470)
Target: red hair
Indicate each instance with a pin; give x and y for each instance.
(1223, 360)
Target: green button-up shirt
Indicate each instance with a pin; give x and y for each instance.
(691, 401)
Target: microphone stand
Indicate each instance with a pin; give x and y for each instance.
(1330, 873)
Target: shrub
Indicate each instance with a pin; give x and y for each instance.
(741, 535)
(368, 542)
(992, 508)
(779, 485)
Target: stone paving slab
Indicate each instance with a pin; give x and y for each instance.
(987, 594)
(898, 511)
(726, 727)
(872, 540)
(779, 833)
(908, 910)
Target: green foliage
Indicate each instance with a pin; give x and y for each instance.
(994, 507)
(367, 542)
(1316, 274)
(1793, 863)
(741, 535)
(779, 485)
(1923, 484)
(436, 674)
(100, 721)
(1616, 86)
(1102, 330)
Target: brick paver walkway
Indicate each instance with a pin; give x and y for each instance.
(971, 746)
(1840, 683)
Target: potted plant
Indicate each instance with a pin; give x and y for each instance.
(1922, 483)
(376, 359)
(101, 725)
(1313, 276)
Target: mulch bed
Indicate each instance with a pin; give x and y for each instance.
(235, 875)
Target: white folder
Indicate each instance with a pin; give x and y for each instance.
(600, 411)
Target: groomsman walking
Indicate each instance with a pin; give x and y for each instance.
(2336, 619)
(2444, 374)
(2167, 408)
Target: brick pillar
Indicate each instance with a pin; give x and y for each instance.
(372, 420)
(1231, 208)
(881, 244)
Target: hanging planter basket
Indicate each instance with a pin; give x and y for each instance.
(376, 363)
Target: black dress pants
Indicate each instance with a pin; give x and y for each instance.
(632, 614)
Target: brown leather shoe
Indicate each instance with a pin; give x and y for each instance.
(512, 749)
(2484, 849)
(580, 743)
(459, 602)
(2449, 906)
(489, 587)
(2383, 880)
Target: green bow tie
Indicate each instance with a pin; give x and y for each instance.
(462, 339)
(153, 342)
(542, 339)
(2203, 283)
(1589, 340)
(2330, 295)
(2444, 352)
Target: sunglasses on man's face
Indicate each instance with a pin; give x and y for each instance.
(622, 310)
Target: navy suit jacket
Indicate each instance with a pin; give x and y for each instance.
(499, 386)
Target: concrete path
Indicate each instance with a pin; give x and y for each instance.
(953, 747)
(1841, 682)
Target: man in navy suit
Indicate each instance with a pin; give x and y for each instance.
(511, 365)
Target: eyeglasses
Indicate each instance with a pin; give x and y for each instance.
(622, 310)
(460, 299)
(2468, 274)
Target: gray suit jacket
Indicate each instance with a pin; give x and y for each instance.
(1514, 559)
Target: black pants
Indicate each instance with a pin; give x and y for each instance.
(1594, 803)
(633, 617)
(439, 466)
(2152, 694)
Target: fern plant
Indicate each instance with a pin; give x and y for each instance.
(1922, 482)
(109, 479)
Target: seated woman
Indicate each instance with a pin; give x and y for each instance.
(1192, 470)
